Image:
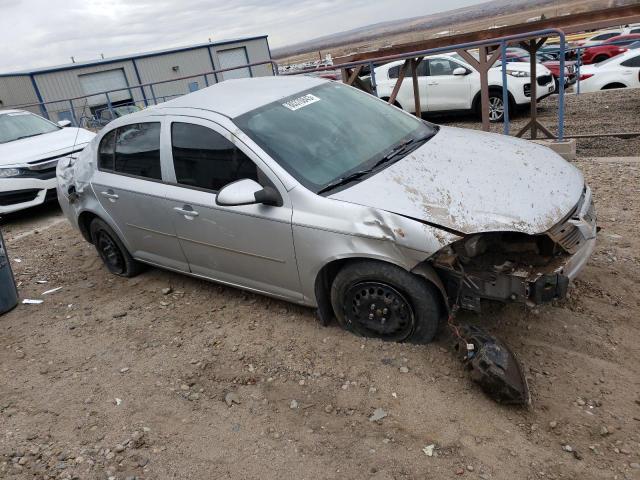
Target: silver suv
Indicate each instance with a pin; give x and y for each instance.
(317, 193)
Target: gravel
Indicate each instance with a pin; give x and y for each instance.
(609, 111)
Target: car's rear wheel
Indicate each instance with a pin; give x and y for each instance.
(111, 250)
(600, 58)
(380, 300)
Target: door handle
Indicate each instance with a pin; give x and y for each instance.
(110, 195)
(432, 82)
(186, 211)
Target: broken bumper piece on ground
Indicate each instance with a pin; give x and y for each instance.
(492, 366)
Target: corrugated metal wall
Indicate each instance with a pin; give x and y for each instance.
(257, 50)
(16, 90)
(158, 68)
(65, 84)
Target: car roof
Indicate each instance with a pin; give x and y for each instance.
(235, 97)
(629, 36)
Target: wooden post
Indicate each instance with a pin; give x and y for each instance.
(401, 75)
(533, 61)
(416, 86)
(484, 88)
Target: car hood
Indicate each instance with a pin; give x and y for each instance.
(473, 182)
(524, 67)
(44, 146)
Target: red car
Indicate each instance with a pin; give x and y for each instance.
(516, 55)
(609, 48)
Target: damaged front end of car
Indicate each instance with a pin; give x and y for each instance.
(514, 267)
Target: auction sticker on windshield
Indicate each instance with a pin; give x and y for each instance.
(301, 102)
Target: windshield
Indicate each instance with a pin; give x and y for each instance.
(14, 126)
(329, 132)
(125, 110)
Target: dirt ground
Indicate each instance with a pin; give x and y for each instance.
(116, 378)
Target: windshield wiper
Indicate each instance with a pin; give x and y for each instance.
(27, 136)
(396, 151)
(344, 180)
(401, 148)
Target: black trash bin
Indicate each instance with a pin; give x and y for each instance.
(8, 291)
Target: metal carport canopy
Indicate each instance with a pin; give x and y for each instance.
(569, 24)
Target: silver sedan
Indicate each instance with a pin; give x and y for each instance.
(317, 193)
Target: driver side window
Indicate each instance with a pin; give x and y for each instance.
(205, 159)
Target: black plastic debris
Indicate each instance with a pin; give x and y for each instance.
(8, 292)
(492, 365)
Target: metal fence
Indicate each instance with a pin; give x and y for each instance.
(81, 111)
(500, 44)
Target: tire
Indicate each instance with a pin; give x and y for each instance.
(111, 250)
(600, 58)
(380, 300)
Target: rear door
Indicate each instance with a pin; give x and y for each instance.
(446, 91)
(631, 71)
(129, 186)
(249, 245)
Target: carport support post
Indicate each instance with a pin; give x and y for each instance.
(482, 66)
(533, 61)
(401, 75)
(416, 86)
(505, 89)
(484, 87)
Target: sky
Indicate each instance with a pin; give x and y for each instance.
(38, 33)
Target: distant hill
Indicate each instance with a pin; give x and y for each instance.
(487, 10)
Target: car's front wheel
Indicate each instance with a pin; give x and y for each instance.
(496, 107)
(111, 250)
(380, 300)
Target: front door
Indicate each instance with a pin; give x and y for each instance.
(128, 184)
(249, 246)
(446, 91)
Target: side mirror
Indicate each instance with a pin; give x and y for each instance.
(64, 123)
(460, 71)
(247, 192)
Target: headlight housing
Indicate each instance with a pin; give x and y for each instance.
(518, 73)
(10, 172)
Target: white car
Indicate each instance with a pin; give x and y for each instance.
(30, 147)
(599, 37)
(447, 83)
(621, 71)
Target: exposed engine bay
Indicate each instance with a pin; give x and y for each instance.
(502, 266)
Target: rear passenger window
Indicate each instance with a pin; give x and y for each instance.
(205, 159)
(632, 62)
(106, 151)
(138, 150)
